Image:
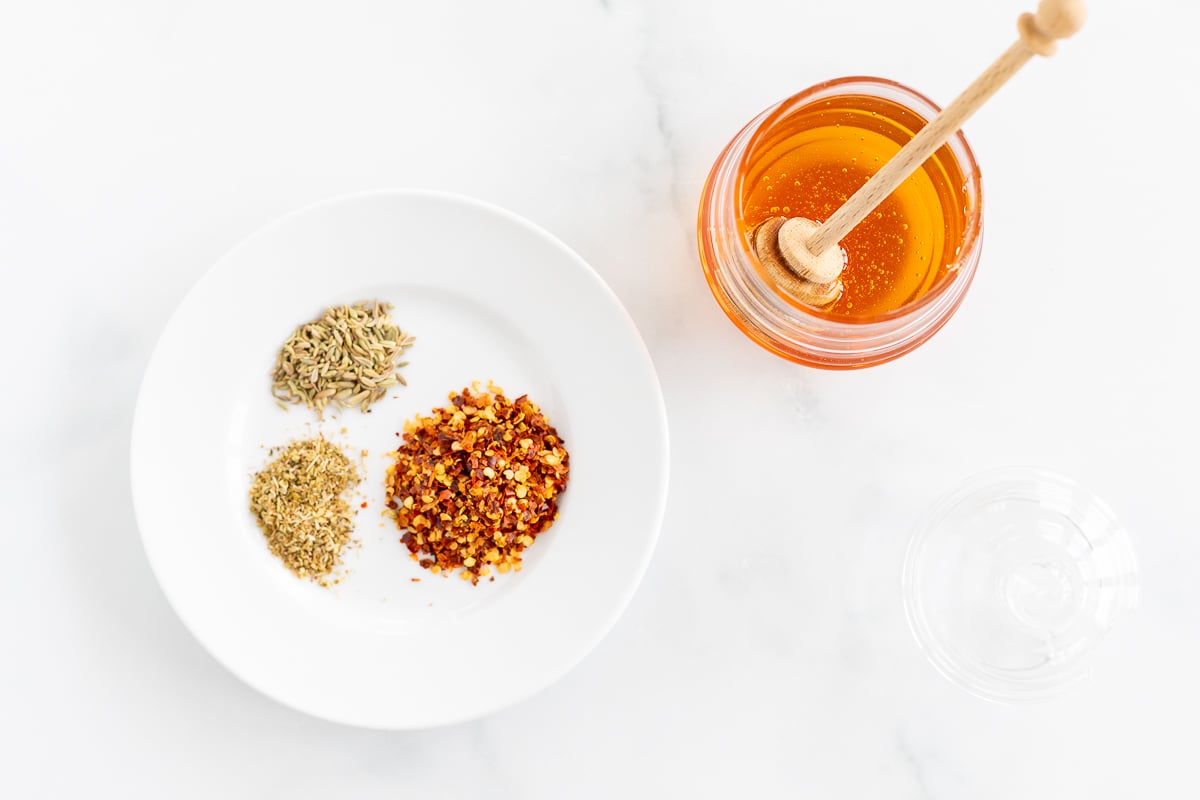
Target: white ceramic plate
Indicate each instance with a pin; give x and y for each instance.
(489, 296)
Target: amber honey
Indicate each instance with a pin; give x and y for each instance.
(910, 263)
(809, 161)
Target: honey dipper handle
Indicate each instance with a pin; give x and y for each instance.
(1055, 19)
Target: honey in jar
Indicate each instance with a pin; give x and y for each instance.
(908, 264)
(809, 162)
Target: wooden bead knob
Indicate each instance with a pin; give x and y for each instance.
(1055, 19)
(1059, 19)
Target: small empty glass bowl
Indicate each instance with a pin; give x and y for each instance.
(1013, 579)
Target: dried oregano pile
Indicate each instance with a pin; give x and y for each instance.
(299, 504)
(348, 357)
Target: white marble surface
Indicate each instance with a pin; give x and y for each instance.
(766, 653)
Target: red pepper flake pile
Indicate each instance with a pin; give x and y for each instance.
(475, 482)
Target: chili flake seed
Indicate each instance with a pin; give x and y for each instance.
(474, 483)
(298, 503)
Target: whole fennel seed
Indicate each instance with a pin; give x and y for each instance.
(348, 357)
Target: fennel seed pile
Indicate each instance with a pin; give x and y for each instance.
(348, 357)
(297, 500)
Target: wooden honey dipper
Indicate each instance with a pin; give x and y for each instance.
(802, 255)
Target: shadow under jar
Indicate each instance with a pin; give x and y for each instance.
(909, 263)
